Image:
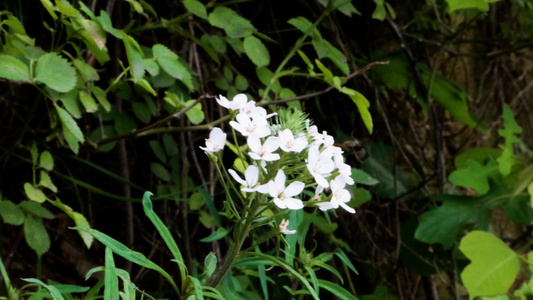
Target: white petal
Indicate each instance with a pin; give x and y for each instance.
(237, 177)
(254, 143)
(251, 175)
(279, 203)
(280, 180)
(294, 189)
(271, 144)
(270, 157)
(347, 208)
(293, 203)
(223, 101)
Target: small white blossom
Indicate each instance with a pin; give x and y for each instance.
(264, 151)
(283, 196)
(248, 126)
(239, 101)
(251, 178)
(283, 227)
(345, 170)
(339, 195)
(254, 111)
(320, 166)
(289, 143)
(215, 142)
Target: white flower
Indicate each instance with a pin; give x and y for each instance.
(215, 142)
(254, 111)
(320, 166)
(239, 101)
(251, 178)
(283, 227)
(248, 126)
(345, 170)
(339, 195)
(263, 152)
(289, 143)
(283, 196)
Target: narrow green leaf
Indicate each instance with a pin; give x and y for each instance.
(36, 235)
(135, 56)
(344, 258)
(101, 96)
(256, 51)
(54, 292)
(511, 128)
(46, 161)
(13, 69)
(217, 235)
(146, 85)
(34, 193)
(161, 228)
(171, 147)
(133, 256)
(71, 103)
(336, 290)
(493, 268)
(55, 72)
(72, 132)
(11, 213)
(362, 105)
(210, 264)
(49, 8)
(110, 277)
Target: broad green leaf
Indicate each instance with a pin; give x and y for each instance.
(160, 171)
(46, 181)
(49, 8)
(217, 235)
(195, 114)
(345, 7)
(216, 42)
(379, 12)
(171, 147)
(256, 51)
(479, 154)
(475, 176)
(87, 72)
(110, 277)
(34, 193)
(71, 131)
(324, 48)
(94, 38)
(121, 250)
(105, 21)
(482, 5)
(158, 150)
(444, 223)
(11, 213)
(362, 177)
(124, 123)
(71, 103)
(88, 102)
(196, 7)
(140, 110)
(196, 201)
(151, 66)
(135, 56)
(13, 69)
(36, 209)
(55, 72)
(239, 27)
(146, 85)
(99, 133)
(304, 25)
(511, 128)
(169, 61)
(36, 235)
(101, 97)
(336, 290)
(241, 84)
(493, 268)
(267, 78)
(210, 264)
(221, 16)
(46, 161)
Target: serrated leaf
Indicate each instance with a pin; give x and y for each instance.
(34, 193)
(362, 177)
(169, 61)
(146, 86)
(101, 97)
(494, 265)
(196, 8)
(239, 27)
(304, 25)
(55, 72)
(105, 21)
(46, 181)
(71, 103)
(13, 69)
(36, 209)
(221, 16)
(46, 161)
(11, 213)
(36, 235)
(88, 102)
(134, 55)
(151, 66)
(160, 171)
(87, 72)
(71, 131)
(256, 51)
(511, 128)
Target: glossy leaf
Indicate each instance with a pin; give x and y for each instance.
(55, 72)
(493, 268)
(13, 69)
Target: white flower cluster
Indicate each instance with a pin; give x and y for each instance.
(267, 145)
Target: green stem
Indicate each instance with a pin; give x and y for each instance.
(234, 251)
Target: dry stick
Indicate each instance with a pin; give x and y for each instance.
(314, 94)
(423, 90)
